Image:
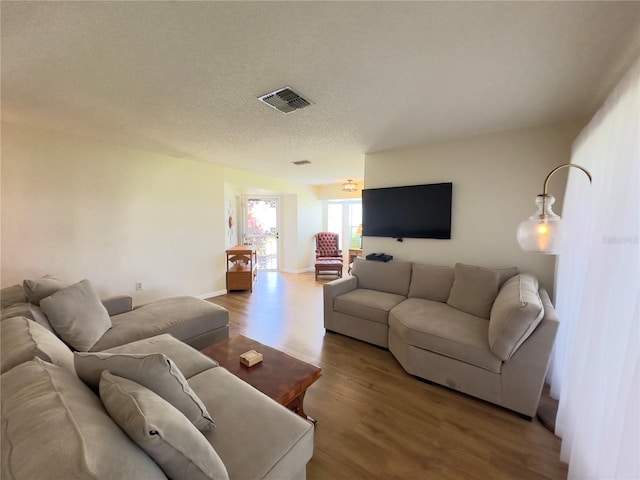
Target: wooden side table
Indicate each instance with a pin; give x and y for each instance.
(242, 267)
(353, 253)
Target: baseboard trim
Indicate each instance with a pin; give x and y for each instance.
(204, 296)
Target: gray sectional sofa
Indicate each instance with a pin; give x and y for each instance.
(150, 408)
(488, 333)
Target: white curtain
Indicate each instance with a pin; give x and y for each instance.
(595, 369)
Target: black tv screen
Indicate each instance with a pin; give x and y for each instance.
(416, 211)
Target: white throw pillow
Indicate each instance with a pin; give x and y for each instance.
(154, 371)
(160, 430)
(77, 315)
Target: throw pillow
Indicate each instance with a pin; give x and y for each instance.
(431, 282)
(77, 315)
(515, 314)
(55, 427)
(154, 371)
(27, 310)
(474, 289)
(21, 340)
(36, 290)
(12, 295)
(160, 430)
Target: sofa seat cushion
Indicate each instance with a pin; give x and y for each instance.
(54, 426)
(255, 437)
(188, 360)
(368, 304)
(184, 317)
(441, 329)
(22, 339)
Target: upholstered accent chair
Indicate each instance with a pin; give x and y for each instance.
(328, 255)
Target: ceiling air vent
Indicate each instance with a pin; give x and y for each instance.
(301, 162)
(285, 100)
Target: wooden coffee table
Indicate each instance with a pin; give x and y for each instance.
(279, 376)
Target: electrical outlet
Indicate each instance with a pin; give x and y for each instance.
(138, 286)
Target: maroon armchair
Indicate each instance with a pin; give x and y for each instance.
(328, 255)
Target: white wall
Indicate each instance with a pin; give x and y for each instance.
(82, 209)
(495, 180)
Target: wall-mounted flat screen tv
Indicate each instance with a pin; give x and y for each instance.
(416, 211)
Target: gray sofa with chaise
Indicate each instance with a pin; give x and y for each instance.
(488, 333)
(194, 321)
(151, 408)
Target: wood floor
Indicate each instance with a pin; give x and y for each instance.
(375, 420)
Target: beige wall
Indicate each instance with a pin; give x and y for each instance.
(83, 209)
(495, 181)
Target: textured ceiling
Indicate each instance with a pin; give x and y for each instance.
(182, 78)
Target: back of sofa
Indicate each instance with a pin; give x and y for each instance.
(390, 277)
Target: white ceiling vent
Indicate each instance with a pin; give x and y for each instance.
(301, 162)
(285, 100)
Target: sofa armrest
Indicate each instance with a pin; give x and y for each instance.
(334, 288)
(118, 304)
(523, 375)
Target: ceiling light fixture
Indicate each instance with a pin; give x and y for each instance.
(543, 231)
(349, 186)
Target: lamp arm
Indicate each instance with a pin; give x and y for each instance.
(566, 165)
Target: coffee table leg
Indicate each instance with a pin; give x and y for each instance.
(296, 406)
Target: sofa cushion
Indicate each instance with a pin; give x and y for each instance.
(474, 289)
(12, 295)
(431, 282)
(54, 426)
(367, 304)
(244, 438)
(516, 313)
(505, 274)
(22, 339)
(390, 277)
(154, 371)
(36, 290)
(27, 310)
(437, 327)
(77, 315)
(188, 360)
(160, 430)
(184, 317)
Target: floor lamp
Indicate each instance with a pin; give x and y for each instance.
(543, 232)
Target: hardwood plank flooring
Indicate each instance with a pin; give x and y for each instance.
(375, 420)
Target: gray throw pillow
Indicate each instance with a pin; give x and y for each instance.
(431, 282)
(155, 371)
(515, 314)
(22, 339)
(36, 290)
(12, 295)
(77, 315)
(474, 290)
(27, 310)
(160, 430)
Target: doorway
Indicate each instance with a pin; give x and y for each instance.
(262, 220)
